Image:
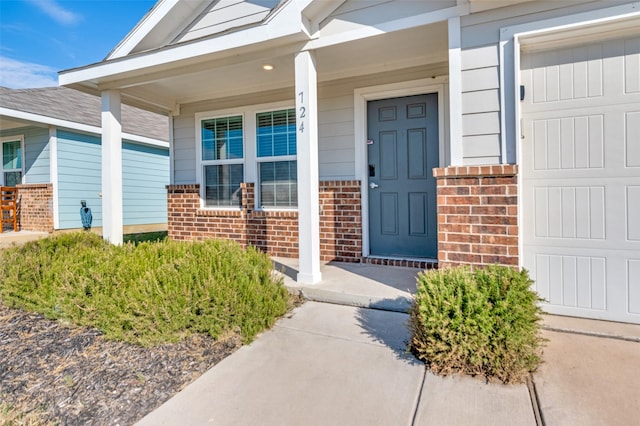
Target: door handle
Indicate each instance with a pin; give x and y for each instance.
(373, 185)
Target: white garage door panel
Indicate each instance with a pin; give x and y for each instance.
(581, 178)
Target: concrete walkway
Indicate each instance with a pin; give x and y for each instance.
(338, 365)
(345, 363)
(11, 238)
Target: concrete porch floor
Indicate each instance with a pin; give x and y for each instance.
(388, 288)
(9, 238)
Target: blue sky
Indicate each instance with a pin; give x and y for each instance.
(38, 38)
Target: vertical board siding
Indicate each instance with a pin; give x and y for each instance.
(36, 152)
(145, 175)
(79, 178)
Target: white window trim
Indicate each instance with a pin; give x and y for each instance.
(200, 163)
(22, 154)
(250, 160)
(258, 201)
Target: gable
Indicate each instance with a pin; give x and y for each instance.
(224, 15)
(172, 22)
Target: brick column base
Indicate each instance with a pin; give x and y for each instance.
(274, 232)
(477, 215)
(35, 207)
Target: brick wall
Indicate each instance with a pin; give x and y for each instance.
(477, 215)
(275, 232)
(35, 207)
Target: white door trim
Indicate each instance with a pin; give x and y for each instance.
(386, 91)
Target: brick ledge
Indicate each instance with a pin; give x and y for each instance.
(476, 171)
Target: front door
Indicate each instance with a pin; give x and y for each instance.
(402, 151)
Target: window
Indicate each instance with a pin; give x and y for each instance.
(222, 160)
(12, 162)
(276, 156)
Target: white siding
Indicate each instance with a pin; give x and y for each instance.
(227, 14)
(480, 36)
(336, 143)
(480, 105)
(184, 151)
(353, 14)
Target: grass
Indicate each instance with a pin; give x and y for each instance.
(146, 293)
(10, 416)
(145, 237)
(480, 322)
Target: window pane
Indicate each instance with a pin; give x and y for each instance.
(222, 185)
(278, 184)
(222, 138)
(12, 178)
(276, 133)
(11, 155)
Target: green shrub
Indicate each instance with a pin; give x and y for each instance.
(484, 321)
(148, 293)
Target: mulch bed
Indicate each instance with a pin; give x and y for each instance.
(74, 376)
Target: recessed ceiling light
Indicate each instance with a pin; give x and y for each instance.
(267, 67)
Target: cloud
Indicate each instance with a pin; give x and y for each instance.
(57, 12)
(22, 75)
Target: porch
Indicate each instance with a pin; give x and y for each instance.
(388, 288)
(10, 237)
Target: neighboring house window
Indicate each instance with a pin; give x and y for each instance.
(222, 161)
(12, 162)
(276, 157)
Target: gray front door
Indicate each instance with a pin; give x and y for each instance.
(402, 151)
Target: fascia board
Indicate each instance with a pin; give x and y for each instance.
(286, 23)
(389, 26)
(37, 118)
(143, 28)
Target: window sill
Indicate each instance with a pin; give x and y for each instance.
(213, 212)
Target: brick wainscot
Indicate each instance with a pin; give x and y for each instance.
(35, 207)
(275, 232)
(477, 215)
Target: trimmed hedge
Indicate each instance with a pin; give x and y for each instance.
(149, 293)
(479, 322)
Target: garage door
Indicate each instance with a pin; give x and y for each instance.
(581, 178)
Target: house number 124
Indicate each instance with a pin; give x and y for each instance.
(303, 112)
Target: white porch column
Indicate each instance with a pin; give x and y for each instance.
(111, 167)
(308, 177)
(455, 93)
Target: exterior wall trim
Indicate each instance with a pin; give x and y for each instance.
(53, 174)
(395, 90)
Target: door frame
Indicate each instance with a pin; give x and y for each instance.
(388, 91)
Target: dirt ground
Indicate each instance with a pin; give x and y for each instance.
(73, 376)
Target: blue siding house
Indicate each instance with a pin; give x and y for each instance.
(51, 149)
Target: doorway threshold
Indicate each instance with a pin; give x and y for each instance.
(406, 262)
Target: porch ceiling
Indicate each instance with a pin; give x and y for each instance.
(243, 74)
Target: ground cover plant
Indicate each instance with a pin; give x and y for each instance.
(479, 322)
(145, 236)
(145, 293)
